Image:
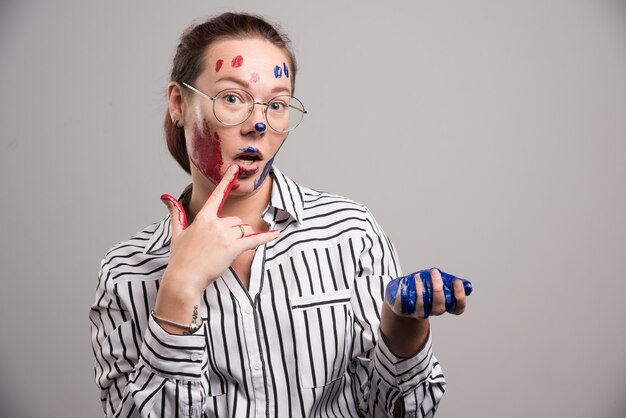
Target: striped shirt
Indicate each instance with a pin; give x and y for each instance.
(302, 340)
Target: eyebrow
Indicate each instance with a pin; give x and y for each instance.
(246, 86)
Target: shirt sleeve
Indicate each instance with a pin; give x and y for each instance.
(143, 372)
(386, 383)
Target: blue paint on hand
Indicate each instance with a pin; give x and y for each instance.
(392, 290)
(427, 291)
(408, 293)
(278, 71)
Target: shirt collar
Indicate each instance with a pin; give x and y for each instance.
(286, 197)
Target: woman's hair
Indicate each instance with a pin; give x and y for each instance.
(188, 62)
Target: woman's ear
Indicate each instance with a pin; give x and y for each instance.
(176, 103)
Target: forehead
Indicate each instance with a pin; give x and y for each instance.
(242, 57)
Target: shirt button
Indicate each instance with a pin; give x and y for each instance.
(248, 310)
(258, 365)
(405, 377)
(195, 356)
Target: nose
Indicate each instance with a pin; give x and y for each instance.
(256, 122)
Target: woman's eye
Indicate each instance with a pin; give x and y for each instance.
(278, 106)
(231, 99)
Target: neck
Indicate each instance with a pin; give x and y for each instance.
(248, 207)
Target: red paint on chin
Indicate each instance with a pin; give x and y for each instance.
(205, 152)
(218, 65)
(237, 61)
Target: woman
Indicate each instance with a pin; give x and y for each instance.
(257, 296)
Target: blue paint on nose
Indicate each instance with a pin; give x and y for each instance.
(260, 127)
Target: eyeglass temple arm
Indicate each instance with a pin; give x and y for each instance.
(197, 91)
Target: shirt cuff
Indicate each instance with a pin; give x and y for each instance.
(173, 356)
(406, 372)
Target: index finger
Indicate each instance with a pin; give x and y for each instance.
(217, 199)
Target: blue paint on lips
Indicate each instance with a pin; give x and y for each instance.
(249, 149)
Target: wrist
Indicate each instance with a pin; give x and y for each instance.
(404, 335)
(182, 283)
(186, 329)
(177, 304)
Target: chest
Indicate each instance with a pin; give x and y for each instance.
(293, 318)
(243, 266)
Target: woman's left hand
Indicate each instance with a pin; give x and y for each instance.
(427, 292)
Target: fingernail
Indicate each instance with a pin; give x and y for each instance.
(233, 168)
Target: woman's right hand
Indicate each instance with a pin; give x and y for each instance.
(200, 253)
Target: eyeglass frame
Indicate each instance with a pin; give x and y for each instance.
(254, 102)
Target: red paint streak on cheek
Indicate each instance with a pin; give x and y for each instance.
(206, 152)
(218, 65)
(237, 61)
(254, 77)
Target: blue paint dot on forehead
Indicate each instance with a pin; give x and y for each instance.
(286, 70)
(278, 72)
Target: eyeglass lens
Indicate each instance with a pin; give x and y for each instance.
(234, 106)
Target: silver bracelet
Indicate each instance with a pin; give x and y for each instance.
(191, 328)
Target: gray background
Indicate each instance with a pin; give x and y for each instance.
(486, 136)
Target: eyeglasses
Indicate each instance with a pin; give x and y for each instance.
(234, 106)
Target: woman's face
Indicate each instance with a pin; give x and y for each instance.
(251, 65)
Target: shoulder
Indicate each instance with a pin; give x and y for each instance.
(319, 207)
(134, 258)
(315, 202)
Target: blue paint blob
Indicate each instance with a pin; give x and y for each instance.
(286, 70)
(404, 293)
(249, 149)
(392, 290)
(260, 127)
(409, 295)
(278, 72)
(408, 292)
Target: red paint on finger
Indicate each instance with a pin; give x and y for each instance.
(218, 65)
(259, 233)
(226, 192)
(237, 61)
(182, 216)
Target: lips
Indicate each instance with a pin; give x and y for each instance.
(248, 161)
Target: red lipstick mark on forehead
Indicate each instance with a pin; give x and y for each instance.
(218, 65)
(254, 77)
(237, 61)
